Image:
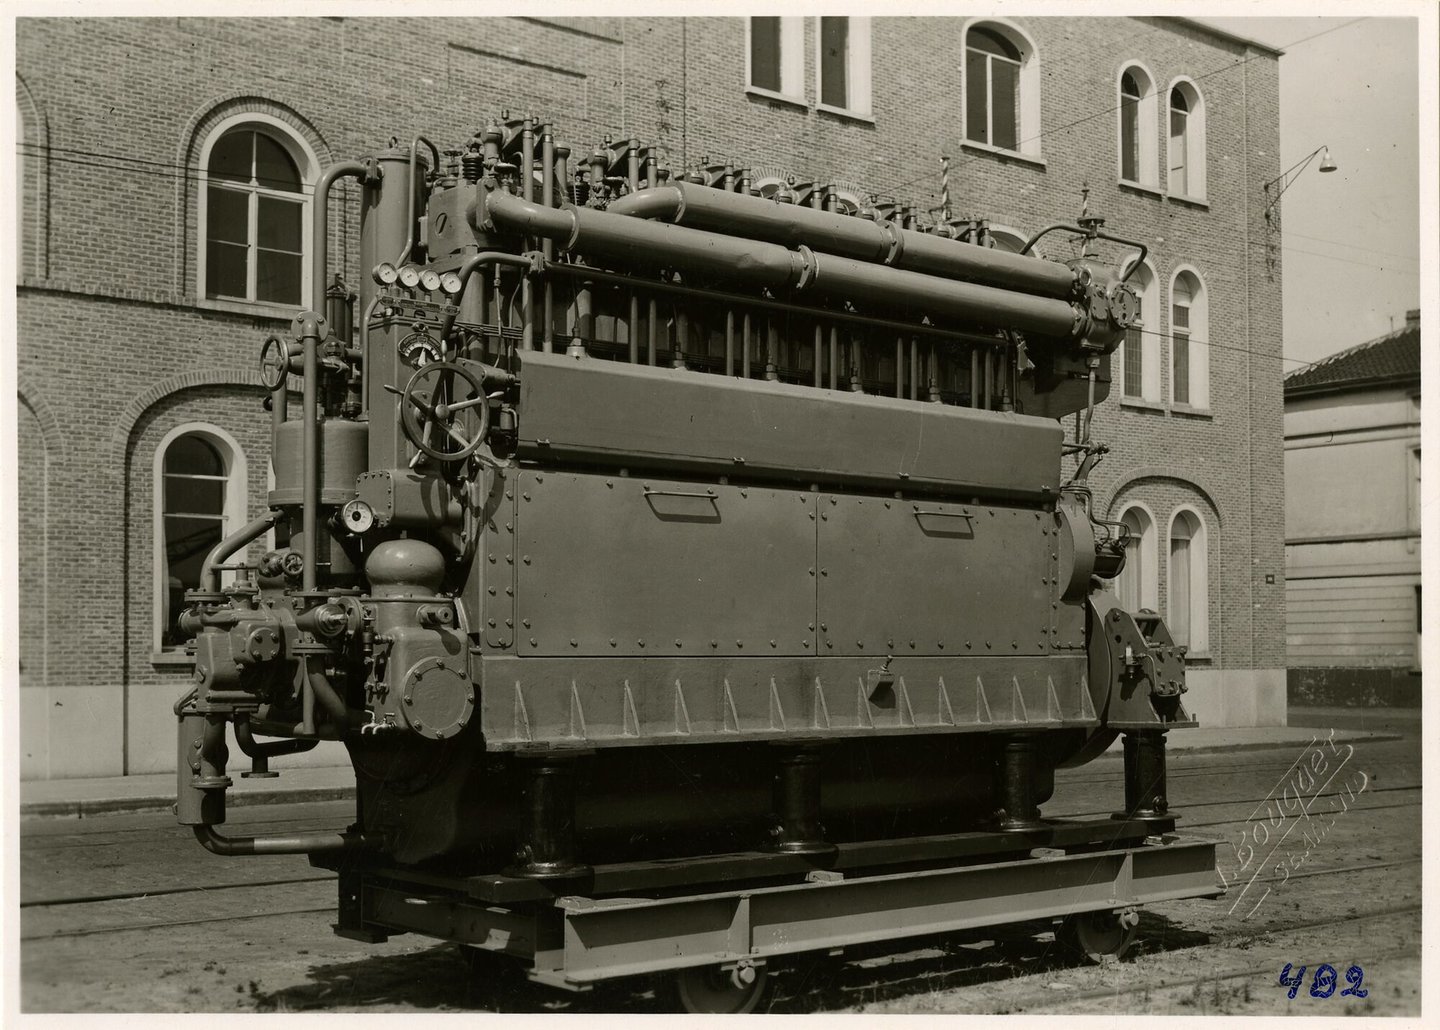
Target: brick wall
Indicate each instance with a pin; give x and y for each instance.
(114, 348)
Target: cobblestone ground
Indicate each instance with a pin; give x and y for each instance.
(128, 914)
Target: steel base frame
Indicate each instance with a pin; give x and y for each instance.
(573, 941)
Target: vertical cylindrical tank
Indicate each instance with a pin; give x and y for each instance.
(385, 224)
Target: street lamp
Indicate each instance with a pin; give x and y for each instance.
(1282, 182)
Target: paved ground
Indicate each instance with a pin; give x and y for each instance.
(126, 913)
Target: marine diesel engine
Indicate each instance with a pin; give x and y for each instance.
(630, 514)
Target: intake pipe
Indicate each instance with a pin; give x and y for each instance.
(829, 232)
(623, 238)
(291, 844)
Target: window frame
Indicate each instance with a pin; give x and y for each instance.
(1198, 603)
(1147, 570)
(1193, 185)
(1151, 388)
(1197, 338)
(308, 167)
(1027, 129)
(233, 516)
(857, 70)
(1146, 114)
(792, 62)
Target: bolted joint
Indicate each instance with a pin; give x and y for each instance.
(309, 325)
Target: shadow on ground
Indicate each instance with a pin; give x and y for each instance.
(441, 978)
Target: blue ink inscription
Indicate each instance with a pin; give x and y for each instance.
(1322, 985)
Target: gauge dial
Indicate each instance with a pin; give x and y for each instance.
(418, 349)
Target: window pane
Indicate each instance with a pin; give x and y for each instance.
(1128, 586)
(1005, 119)
(765, 53)
(1181, 384)
(278, 224)
(227, 215)
(834, 58)
(1180, 574)
(187, 542)
(194, 496)
(1181, 314)
(273, 167)
(1130, 140)
(1128, 88)
(1133, 353)
(990, 42)
(231, 157)
(225, 269)
(1179, 179)
(977, 100)
(193, 455)
(277, 277)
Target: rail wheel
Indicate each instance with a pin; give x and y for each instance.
(710, 989)
(1093, 936)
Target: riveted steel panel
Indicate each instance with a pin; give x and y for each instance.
(497, 555)
(588, 410)
(909, 577)
(615, 565)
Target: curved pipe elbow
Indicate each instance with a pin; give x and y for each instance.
(291, 844)
(510, 213)
(210, 581)
(667, 202)
(245, 737)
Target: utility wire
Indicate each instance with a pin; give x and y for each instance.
(192, 173)
(1351, 246)
(1376, 265)
(1226, 346)
(1111, 110)
(887, 192)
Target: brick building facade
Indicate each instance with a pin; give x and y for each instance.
(122, 345)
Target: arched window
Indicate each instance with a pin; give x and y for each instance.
(1137, 586)
(254, 212)
(199, 500)
(1189, 610)
(1189, 342)
(1187, 141)
(1002, 88)
(1139, 357)
(1139, 158)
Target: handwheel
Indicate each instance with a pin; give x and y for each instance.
(274, 363)
(447, 399)
(1094, 935)
(711, 989)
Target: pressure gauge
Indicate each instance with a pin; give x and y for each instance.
(409, 277)
(450, 283)
(385, 273)
(430, 279)
(357, 516)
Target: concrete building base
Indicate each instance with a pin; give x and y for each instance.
(1236, 697)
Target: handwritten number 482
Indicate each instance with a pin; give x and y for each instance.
(1323, 984)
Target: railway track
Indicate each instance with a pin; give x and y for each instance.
(1186, 826)
(291, 905)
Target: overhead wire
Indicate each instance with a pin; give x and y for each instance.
(1101, 112)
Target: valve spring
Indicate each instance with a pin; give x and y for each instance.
(472, 164)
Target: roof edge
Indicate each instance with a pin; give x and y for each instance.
(1351, 385)
(1223, 34)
